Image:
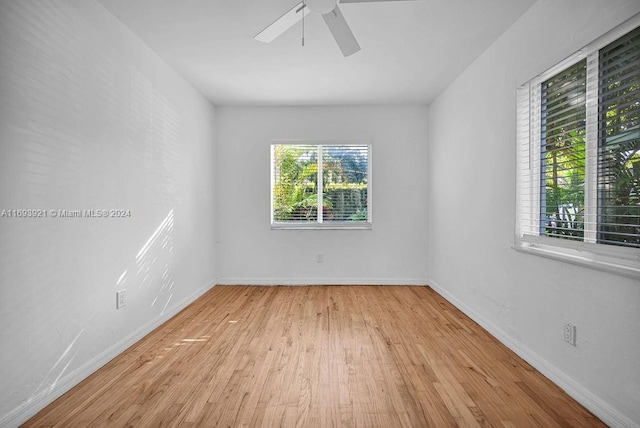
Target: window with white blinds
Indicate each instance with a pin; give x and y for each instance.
(578, 182)
(320, 185)
(563, 153)
(619, 142)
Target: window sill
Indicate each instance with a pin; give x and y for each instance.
(617, 260)
(321, 226)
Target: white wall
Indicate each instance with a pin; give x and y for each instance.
(521, 298)
(393, 252)
(90, 118)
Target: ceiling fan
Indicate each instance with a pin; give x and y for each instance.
(332, 17)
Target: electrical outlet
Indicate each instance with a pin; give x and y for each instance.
(319, 257)
(570, 334)
(120, 299)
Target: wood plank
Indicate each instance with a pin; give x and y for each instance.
(317, 356)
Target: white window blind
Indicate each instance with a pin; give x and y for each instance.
(578, 156)
(320, 185)
(619, 142)
(563, 152)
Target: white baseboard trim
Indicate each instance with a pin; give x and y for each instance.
(39, 401)
(608, 414)
(320, 281)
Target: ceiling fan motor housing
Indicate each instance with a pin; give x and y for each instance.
(321, 6)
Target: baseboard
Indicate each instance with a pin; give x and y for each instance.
(39, 401)
(321, 281)
(578, 392)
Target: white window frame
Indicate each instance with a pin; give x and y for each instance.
(321, 224)
(609, 258)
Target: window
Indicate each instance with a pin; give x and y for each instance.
(320, 185)
(578, 186)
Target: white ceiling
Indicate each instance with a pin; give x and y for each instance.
(411, 50)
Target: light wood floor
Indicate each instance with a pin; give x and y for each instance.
(317, 356)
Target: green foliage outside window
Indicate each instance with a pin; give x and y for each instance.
(564, 161)
(619, 156)
(295, 183)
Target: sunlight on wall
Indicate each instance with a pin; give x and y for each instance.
(90, 119)
(66, 358)
(153, 266)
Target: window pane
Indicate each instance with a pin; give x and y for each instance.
(619, 143)
(563, 115)
(345, 177)
(295, 183)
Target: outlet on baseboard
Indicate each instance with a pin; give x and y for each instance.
(570, 334)
(120, 299)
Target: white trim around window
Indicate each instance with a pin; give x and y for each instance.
(319, 210)
(531, 235)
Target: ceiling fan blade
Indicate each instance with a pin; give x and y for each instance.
(369, 1)
(282, 24)
(341, 32)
